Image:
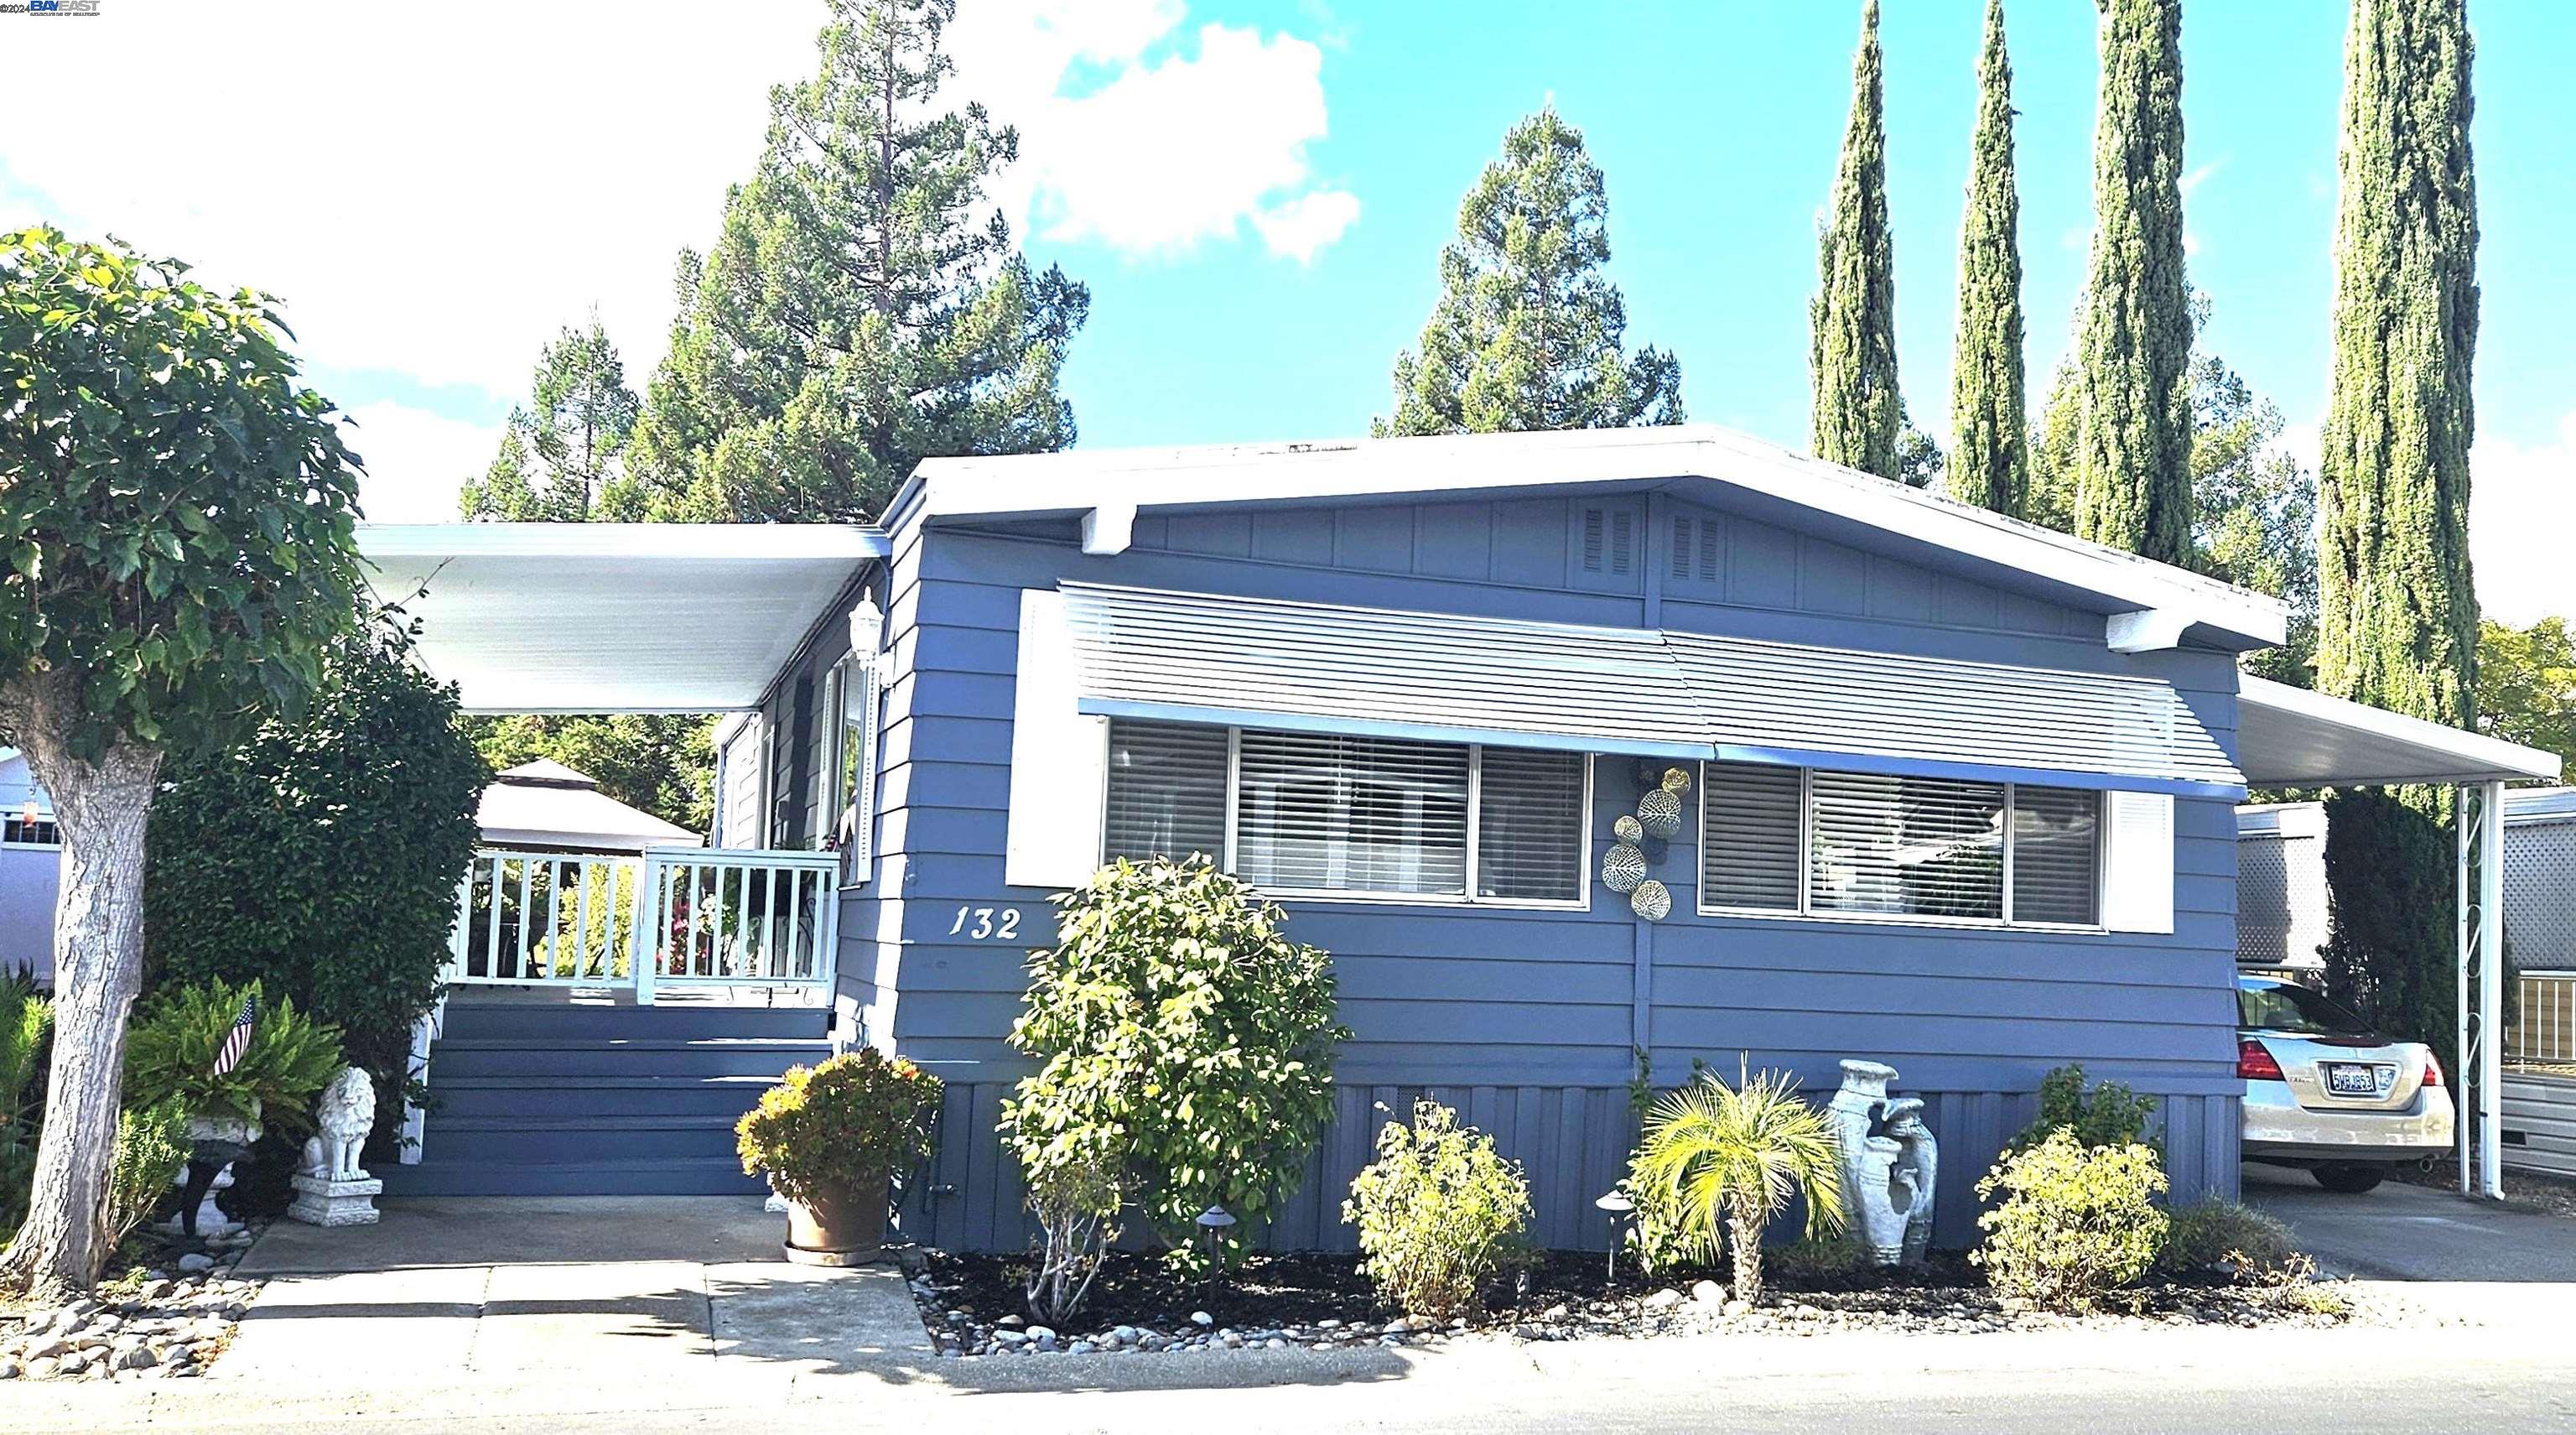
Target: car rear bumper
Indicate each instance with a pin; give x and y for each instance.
(2278, 1128)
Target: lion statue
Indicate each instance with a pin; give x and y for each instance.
(346, 1112)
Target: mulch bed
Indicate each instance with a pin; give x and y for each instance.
(972, 1305)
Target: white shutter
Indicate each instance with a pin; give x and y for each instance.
(1058, 758)
(2138, 862)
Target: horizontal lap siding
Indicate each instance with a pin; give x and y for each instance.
(1525, 1019)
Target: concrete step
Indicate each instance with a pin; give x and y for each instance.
(471, 1097)
(540, 1061)
(549, 1022)
(435, 1176)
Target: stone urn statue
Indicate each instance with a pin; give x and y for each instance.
(214, 1144)
(1889, 1164)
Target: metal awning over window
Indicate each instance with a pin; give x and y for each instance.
(1321, 667)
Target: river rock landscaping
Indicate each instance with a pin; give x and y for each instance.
(972, 1305)
(168, 1316)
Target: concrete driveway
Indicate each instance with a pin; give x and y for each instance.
(2464, 1260)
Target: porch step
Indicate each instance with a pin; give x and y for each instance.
(469, 1020)
(679, 1177)
(618, 1056)
(551, 1139)
(470, 1097)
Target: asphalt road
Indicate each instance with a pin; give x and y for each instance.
(2402, 1232)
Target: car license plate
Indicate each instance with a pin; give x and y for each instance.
(2353, 1078)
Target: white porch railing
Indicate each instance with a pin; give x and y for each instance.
(672, 917)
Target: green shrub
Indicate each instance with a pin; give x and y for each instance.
(171, 1056)
(2110, 1114)
(2220, 1236)
(840, 1125)
(2075, 1223)
(1439, 1211)
(1736, 1157)
(1659, 1232)
(25, 1019)
(151, 1146)
(1180, 1035)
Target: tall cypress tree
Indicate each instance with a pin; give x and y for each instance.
(1857, 411)
(2133, 345)
(2398, 620)
(1989, 461)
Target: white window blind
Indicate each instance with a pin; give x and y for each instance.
(1529, 825)
(1920, 846)
(1749, 838)
(1167, 783)
(1324, 812)
(2056, 855)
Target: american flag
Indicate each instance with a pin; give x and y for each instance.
(237, 1040)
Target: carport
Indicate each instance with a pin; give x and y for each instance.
(2290, 737)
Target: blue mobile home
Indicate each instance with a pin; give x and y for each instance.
(1961, 791)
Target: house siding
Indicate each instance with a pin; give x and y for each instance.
(1528, 1021)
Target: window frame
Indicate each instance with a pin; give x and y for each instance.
(1806, 911)
(44, 819)
(1580, 902)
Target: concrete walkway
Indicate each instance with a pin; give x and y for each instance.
(562, 1289)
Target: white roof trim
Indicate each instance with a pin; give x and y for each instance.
(2291, 737)
(1078, 481)
(382, 541)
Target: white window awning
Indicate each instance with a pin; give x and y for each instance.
(613, 617)
(2291, 737)
(1320, 667)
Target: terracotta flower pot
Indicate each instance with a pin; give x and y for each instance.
(838, 1228)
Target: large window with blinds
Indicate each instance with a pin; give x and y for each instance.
(1311, 813)
(1797, 841)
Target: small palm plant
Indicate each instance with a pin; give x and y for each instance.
(1738, 1155)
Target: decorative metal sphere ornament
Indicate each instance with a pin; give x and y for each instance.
(1628, 829)
(1661, 812)
(1676, 780)
(1652, 900)
(1650, 773)
(1623, 867)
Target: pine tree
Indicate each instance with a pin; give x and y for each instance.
(1857, 412)
(563, 450)
(2398, 626)
(2133, 348)
(1527, 333)
(862, 308)
(1989, 461)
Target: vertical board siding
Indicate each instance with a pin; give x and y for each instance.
(1528, 1020)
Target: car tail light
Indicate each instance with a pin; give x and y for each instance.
(2432, 1070)
(2254, 1061)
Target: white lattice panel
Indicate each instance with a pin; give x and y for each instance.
(2280, 900)
(2540, 894)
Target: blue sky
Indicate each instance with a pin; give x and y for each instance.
(1256, 194)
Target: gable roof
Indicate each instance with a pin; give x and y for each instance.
(1108, 487)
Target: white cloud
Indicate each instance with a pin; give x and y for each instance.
(416, 461)
(1129, 140)
(2522, 512)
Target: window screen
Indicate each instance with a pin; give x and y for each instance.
(1749, 847)
(1530, 821)
(1166, 790)
(1919, 846)
(1320, 812)
(2057, 838)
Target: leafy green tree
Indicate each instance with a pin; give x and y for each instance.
(1857, 412)
(563, 450)
(177, 527)
(661, 763)
(1989, 460)
(2398, 624)
(1528, 333)
(2527, 685)
(320, 857)
(2133, 347)
(863, 307)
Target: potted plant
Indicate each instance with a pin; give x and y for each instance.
(176, 1053)
(831, 1139)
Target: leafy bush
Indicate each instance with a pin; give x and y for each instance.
(25, 1019)
(1438, 1212)
(2109, 1115)
(2076, 1222)
(1183, 1038)
(320, 857)
(151, 1146)
(1738, 1156)
(858, 1118)
(1075, 1193)
(2221, 1236)
(171, 1057)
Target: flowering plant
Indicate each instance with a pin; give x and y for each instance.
(858, 1118)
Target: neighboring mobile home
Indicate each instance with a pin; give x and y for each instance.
(31, 862)
(1962, 790)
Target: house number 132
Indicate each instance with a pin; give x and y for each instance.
(986, 924)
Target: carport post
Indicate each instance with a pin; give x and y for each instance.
(2481, 928)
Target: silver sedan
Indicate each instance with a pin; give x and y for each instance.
(2325, 1092)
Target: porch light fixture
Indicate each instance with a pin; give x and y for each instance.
(1619, 1206)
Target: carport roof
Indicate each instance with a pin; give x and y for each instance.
(2290, 737)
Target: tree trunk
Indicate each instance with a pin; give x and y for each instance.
(100, 810)
(1744, 1232)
